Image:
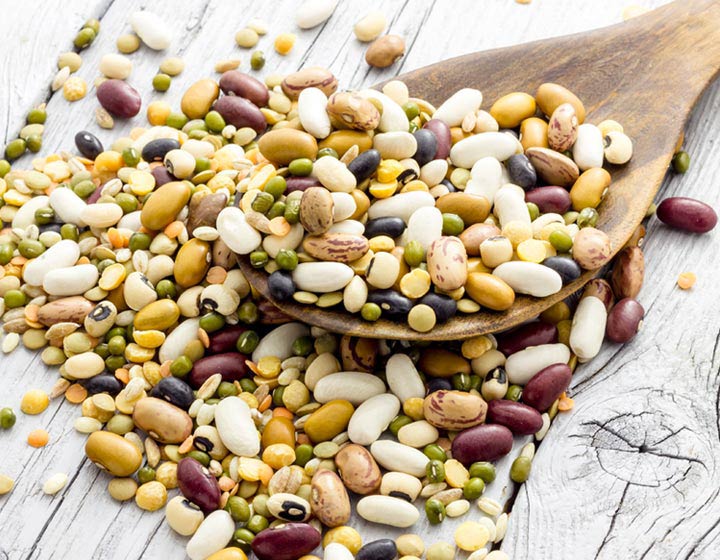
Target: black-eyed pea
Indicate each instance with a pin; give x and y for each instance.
(618, 147)
(610, 125)
(496, 250)
(589, 188)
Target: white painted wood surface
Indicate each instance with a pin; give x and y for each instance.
(632, 472)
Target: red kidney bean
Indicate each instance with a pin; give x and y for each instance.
(198, 485)
(485, 442)
(600, 289)
(549, 199)
(230, 364)
(224, 340)
(285, 542)
(235, 82)
(546, 386)
(119, 98)
(520, 418)
(687, 213)
(240, 113)
(531, 334)
(628, 273)
(442, 133)
(625, 320)
(301, 183)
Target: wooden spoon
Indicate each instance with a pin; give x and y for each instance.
(646, 73)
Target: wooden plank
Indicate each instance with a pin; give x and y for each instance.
(84, 522)
(632, 472)
(29, 60)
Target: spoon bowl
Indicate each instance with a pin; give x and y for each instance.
(646, 73)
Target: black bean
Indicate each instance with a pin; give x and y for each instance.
(155, 150)
(50, 227)
(392, 303)
(281, 285)
(364, 165)
(103, 383)
(162, 175)
(439, 384)
(88, 144)
(567, 268)
(443, 306)
(522, 172)
(427, 145)
(175, 391)
(383, 549)
(390, 225)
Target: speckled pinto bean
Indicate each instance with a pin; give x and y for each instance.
(230, 364)
(531, 334)
(285, 542)
(600, 289)
(198, 485)
(546, 386)
(520, 418)
(486, 442)
(628, 273)
(624, 320)
(687, 213)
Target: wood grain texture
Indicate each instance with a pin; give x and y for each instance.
(571, 505)
(628, 72)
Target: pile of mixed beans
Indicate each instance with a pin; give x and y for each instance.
(121, 265)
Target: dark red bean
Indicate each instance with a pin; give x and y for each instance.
(224, 340)
(687, 214)
(546, 386)
(301, 183)
(520, 418)
(531, 334)
(240, 113)
(442, 133)
(485, 442)
(198, 485)
(162, 175)
(237, 83)
(625, 320)
(285, 542)
(230, 364)
(119, 98)
(549, 199)
(95, 196)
